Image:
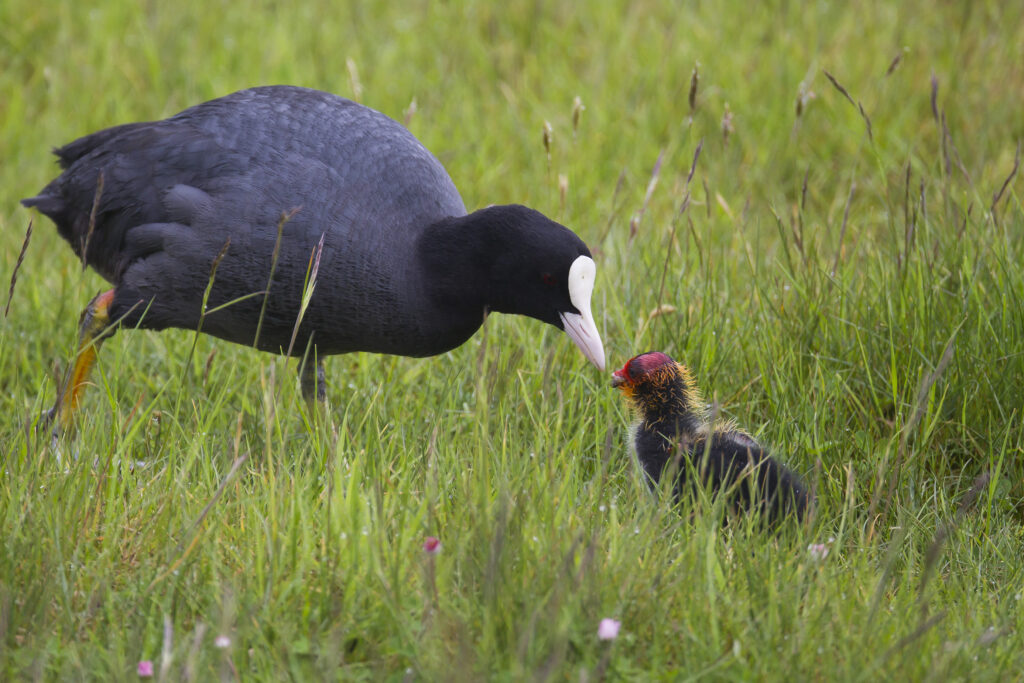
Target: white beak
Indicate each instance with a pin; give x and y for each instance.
(580, 326)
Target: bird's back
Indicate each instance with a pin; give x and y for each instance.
(723, 460)
(151, 205)
(256, 154)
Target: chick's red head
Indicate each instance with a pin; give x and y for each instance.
(640, 369)
(659, 387)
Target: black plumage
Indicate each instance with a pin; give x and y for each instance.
(262, 178)
(674, 434)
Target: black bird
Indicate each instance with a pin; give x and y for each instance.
(296, 221)
(674, 431)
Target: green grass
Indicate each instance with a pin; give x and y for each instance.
(874, 338)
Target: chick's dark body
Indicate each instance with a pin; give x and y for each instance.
(730, 461)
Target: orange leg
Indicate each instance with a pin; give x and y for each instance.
(93, 328)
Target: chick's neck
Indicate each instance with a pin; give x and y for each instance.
(669, 402)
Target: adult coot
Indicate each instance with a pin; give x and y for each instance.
(294, 220)
(675, 434)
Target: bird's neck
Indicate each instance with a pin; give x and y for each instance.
(470, 261)
(670, 401)
(455, 259)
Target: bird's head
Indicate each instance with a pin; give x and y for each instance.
(544, 270)
(657, 385)
(513, 259)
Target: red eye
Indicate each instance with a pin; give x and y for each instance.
(548, 279)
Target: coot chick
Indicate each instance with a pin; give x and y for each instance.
(223, 217)
(674, 433)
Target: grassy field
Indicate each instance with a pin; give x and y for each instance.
(841, 267)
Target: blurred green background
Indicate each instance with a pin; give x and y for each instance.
(837, 271)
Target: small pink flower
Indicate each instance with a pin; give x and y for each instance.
(145, 669)
(608, 629)
(432, 546)
(222, 642)
(818, 551)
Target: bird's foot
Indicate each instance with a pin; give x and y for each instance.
(49, 421)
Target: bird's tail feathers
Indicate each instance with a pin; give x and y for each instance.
(48, 204)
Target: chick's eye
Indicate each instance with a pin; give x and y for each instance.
(548, 279)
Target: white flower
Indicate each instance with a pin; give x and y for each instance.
(818, 551)
(608, 629)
